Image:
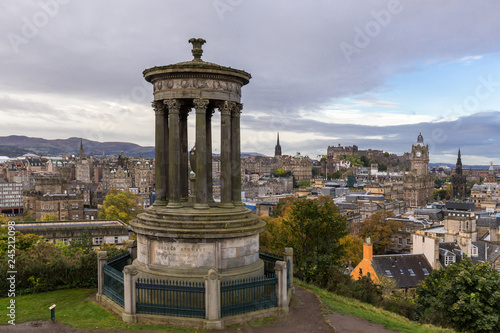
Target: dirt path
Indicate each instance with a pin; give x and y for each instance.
(306, 316)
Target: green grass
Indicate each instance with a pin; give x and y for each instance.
(352, 307)
(75, 308)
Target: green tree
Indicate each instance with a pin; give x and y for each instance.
(281, 173)
(463, 296)
(313, 228)
(380, 230)
(121, 205)
(355, 160)
(303, 183)
(382, 166)
(22, 241)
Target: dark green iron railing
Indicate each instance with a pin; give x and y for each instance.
(171, 298)
(119, 261)
(252, 294)
(269, 260)
(113, 284)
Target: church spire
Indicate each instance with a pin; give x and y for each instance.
(277, 149)
(458, 169)
(81, 154)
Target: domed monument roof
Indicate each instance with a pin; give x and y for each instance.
(194, 72)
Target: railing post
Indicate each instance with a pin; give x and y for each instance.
(289, 260)
(281, 294)
(212, 301)
(132, 249)
(129, 294)
(102, 259)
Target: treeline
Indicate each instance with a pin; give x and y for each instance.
(42, 266)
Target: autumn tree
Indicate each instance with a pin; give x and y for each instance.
(380, 228)
(121, 205)
(313, 228)
(463, 296)
(353, 250)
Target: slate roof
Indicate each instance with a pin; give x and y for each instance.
(408, 270)
(455, 205)
(487, 251)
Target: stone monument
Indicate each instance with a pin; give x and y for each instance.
(183, 235)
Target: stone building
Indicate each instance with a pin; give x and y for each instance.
(113, 232)
(64, 206)
(486, 195)
(11, 198)
(418, 183)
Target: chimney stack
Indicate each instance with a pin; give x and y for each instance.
(367, 250)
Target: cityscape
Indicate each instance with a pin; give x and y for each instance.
(331, 168)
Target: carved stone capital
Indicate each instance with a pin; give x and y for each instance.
(226, 107)
(174, 105)
(158, 107)
(236, 111)
(200, 105)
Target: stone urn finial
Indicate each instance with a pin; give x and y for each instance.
(197, 51)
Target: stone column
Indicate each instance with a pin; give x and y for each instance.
(289, 260)
(210, 112)
(174, 151)
(184, 175)
(201, 200)
(102, 259)
(281, 294)
(212, 300)
(129, 294)
(236, 155)
(161, 159)
(225, 131)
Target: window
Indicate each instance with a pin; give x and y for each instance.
(65, 241)
(360, 272)
(426, 272)
(402, 272)
(388, 273)
(408, 241)
(449, 259)
(411, 272)
(408, 229)
(401, 241)
(97, 240)
(116, 239)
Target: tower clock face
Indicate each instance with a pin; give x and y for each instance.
(418, 154)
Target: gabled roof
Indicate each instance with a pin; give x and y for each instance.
(408, 270)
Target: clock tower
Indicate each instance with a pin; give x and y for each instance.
(418, 183)
(420, 157)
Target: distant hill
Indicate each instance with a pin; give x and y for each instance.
(464, 167)
(15, 145)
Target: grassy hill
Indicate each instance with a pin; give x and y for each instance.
(77, 308)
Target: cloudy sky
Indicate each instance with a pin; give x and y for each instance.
(371, 73)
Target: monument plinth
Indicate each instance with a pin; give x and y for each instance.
(183, 234)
